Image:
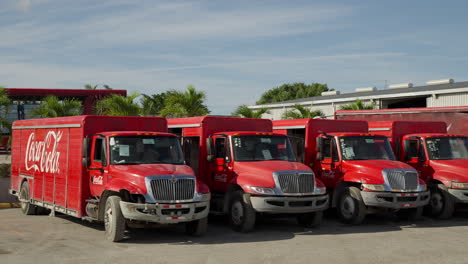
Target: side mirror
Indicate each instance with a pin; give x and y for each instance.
(209, 150)
(319, 156)
(319, 142)
(85, 154)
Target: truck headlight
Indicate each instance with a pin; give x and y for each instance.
(262, 190)
(374, 187)
(422, 187)
(203, 197)
(320, 190)
(459, 185)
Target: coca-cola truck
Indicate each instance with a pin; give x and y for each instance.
(440, 158)
(359, 169)
(122, 171)
(250, 170)
(456, 117)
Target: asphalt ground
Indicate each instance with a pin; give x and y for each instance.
(381, 239)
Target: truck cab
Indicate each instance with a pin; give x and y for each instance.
(440, 159)
(359, 169)
(250, 170)
(148, 171)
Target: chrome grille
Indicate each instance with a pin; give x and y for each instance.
(296, 182)
(402, 180)
(173, 189)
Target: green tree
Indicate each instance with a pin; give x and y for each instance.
(52, 106)
(90, 87)
(153, 104)
(5, 107)
(107, 87)
(245, 111)
(357, 105)
(293, 91)
(118, 105)
(185, 104)
(300, 112)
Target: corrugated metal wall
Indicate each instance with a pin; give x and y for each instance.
(455, 99)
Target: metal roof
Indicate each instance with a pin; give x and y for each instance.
(414, 91)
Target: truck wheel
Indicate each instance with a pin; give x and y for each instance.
(26, 207)
(351, 208)
(441, 204)
(241, 215)
(114, 222)
(310, 219)
(197, 228)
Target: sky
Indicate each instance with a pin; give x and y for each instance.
(232, 50)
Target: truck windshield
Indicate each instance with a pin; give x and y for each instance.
(365, 148)
(130, 150)
(447, 148)
(261, 147)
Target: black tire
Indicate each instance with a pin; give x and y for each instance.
(351, 208)
(310, 220)
(241, 215)
(197, 227)
(441, 204)
(114, 222)
(26, 207)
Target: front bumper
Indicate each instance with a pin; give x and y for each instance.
(288, 204)
(395, 200)
(165, 213)
(460, 195)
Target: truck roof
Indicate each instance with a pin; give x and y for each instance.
(426, 135)
(401, 128)
(136, 133)
(323, 125)
(215, 124)
(249, 133)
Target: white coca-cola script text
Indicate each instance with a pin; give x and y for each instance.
(43, 155)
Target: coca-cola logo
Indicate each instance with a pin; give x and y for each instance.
(43, 155)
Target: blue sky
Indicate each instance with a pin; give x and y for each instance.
(232, 50)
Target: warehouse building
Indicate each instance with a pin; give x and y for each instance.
(438, 93)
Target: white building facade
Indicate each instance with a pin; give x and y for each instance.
(440, 93)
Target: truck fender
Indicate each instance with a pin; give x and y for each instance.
(117, 184)
(231, 189)
(445, 177)
(339, 188)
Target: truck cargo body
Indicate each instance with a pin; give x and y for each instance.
(241, 157)
(358, 168)
(439, 157)
(73, 164)
(456, 118)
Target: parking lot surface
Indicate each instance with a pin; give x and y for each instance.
(381, 239)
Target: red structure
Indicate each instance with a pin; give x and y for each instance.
(88, 97)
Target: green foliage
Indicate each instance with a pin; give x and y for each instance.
(118, 105)
(185, 104)
(5, 170)
(245, 111)
(292, 91)
(53, 107)
(90, 87)
(5, 106)
(357, 105)
(153, 104)
(300, 112)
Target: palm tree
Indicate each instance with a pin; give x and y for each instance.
(357, 105)
(5, 106)
(152, 104)
(185, 104)
(107, 87)
(246, 112)
(118, 105)
(300, 112)
(53, 107)
(90, 87)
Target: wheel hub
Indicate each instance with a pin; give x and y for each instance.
(437, 202)
(108, 219)
(237, 213)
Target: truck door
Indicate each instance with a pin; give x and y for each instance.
(415, 155)
(330, 166)
(98, 165)
(221, 167)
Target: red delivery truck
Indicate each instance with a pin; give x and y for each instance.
(358, 168)
(440, 158)
(456, 118)
(123, 171)
(250, 170)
